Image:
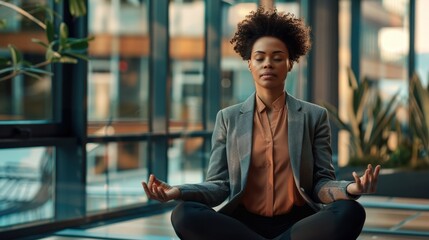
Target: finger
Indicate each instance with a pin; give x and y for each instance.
(357, 180)
(158, 182)
(377, 171)
(375, 179)
(146, 189)
(159, 194)
(162, 193)
(150, 182)
(370, 169)
(366, 180)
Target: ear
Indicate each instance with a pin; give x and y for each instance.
(248, 64)
(290, 65)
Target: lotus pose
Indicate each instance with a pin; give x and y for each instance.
(271, 159)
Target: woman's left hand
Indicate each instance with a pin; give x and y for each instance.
(366, 184)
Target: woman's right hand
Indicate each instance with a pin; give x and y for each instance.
(159, 190)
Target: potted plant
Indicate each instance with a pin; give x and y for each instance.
(370, 124)
(59, 47)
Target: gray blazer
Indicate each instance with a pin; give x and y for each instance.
(309, 149)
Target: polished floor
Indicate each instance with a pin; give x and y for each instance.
(387, 219)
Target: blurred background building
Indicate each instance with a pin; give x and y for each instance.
(75, 146)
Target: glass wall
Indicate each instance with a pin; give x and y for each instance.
(236, 82)
(25, 96)
(26, 185)
(383, 72)
(114, 173)
(186, 30)
(422, 38)
(118, 74)
(118, 103)
(104, 125)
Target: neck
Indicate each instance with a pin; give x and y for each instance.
(269, 96)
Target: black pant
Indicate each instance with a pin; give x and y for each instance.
(342, 220)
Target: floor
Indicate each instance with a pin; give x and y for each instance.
(387, 219)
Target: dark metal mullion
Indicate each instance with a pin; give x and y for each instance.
(158, 85)
(212, 68)
(212, 72)
(34, 130)
(146, 137)
(70, 167)
(35, 142)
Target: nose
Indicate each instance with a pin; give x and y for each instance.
(267, 63)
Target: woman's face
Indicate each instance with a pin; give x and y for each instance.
(269, 63)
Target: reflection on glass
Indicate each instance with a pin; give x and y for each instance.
(296, 83)
(384, 40)
(118, 73)
(24, 97)
(236, 83)
(384, 43)
(186, 26)
(114, 173)
(185, 160)
(26, 185)
(422, 39)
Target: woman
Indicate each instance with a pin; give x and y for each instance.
(271, 155)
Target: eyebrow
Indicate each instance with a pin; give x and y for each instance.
(278, 51)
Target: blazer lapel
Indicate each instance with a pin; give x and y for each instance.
(244, 136)
(295, 135)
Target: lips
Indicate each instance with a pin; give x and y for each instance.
(267, 75)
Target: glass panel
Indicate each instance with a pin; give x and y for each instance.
(384, 44)
(384, 54)
(186, 161)
(186, 26)
(118, 75)
(236, 83)
(422, 38)
(23, 96)
(26, 185)
(114, 173)
(296, 82)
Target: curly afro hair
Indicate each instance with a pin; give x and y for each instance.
(284, 26)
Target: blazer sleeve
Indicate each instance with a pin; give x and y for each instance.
(215, 189)
(327, 188)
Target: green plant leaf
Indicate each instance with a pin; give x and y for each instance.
(5, 70)
(383, 120)
(77, 55)
(64, 34)
(353, 83)
(4, 61)
(78, 44)
(66, 59)
(3, 23)
(15, 54)
(333, 114)
(77, 7)
(52, 55)
(38, 70)
(50, 34)
(40, 42)
(33, 75)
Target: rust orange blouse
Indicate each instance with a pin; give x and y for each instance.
(270, 188)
